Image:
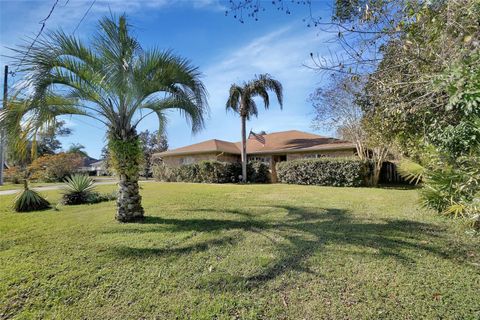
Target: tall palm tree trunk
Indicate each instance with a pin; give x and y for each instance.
(244, 149)
(129, 206)
(126, 158)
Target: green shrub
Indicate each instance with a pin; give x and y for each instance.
(79, 190)
(451, 189)
(211, 172)
(162, 172)
(258, 172)
(55, 167)
(30, 200)
(338, 172)
(189, 173)
(96, 197)
(14, 175)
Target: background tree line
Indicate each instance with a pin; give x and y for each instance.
(47, 162)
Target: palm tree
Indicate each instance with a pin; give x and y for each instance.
(241, 101)
(115, 82)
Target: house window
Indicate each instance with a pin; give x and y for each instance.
(315, 155)
(187, 160)
(259, 159)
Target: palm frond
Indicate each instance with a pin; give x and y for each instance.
(240, 99)
(410, 171)
(252, 108)
(184, 104)
(24, 119)
(234, 96)
(110, 81)
(265, 82)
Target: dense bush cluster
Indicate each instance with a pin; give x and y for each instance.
(258, 172)
(55, 167)
(338, 172)
(14, 175)
(212, 172)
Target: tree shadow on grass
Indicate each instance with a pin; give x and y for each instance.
(129, 252)
(204, 225)
(304, 232)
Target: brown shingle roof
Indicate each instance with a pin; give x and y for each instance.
(208, 146)
(293, 141)
(276, 142)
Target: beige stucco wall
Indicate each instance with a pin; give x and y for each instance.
(175, 161)
(327, 153)
(229, 158)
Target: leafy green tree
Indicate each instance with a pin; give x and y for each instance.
(241, 101)
(426, 93)
(152, 142)
(336, 107)
(48, 142)
(113, 81)
(105, 157)
(44, 143)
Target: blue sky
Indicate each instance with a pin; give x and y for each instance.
(225, 50)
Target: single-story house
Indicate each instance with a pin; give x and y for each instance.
(269, 148)
(93, 166)
(98, 168)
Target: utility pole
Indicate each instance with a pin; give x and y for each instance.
(2, 129)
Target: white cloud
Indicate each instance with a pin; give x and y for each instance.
(281, 53)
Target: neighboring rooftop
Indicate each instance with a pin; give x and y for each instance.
(283, 141)
(87, 161)
(209, 146)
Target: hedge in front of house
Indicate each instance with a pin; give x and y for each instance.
(211, 172)
(338, 172)
(257, 172)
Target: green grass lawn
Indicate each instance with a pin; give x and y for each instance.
(240, 252)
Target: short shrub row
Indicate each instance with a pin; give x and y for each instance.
(212, 172)
(339, 172)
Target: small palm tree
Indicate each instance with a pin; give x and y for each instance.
(241, 101)
(113, 81)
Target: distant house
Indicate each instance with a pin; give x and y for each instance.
(98, 168)
(269, 148)
(93, 166)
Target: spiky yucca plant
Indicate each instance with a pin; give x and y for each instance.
(30, 200)
(78, 189)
